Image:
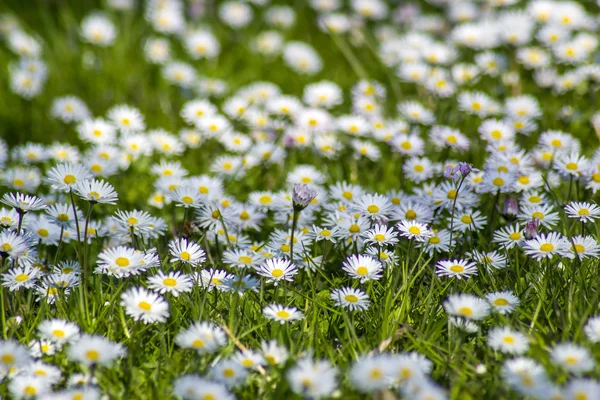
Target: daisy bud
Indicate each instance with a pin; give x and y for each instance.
(531, 228)
(302, 196)
(449, 172)
(511, 208)
(464, 169)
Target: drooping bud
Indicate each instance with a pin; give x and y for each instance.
(531, 228)
(302, 196)
(511, 208)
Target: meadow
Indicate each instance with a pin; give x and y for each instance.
(320, 199)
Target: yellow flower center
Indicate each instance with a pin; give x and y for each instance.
(122, 262)
(59, 333)
(434, 240)
(277, 273)
(496, 134)
(498, 181)
(500, 302)
(379, 237)
(350, 298)
(451, 194)
(92, 355)
(185, 256)
(170, 282)
(414, 230)
(373, 209)
(466, 311)
(283, 314)
(457, 268)
(354, 228)
(515, 236)
(145, 305)
(245, 259)
(21, 277)
(8, 358)
(466, 219)
(546, 247)
(362, 271)
(69, 179)
(571, 166)
(538, 215)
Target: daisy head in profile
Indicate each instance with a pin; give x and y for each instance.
(282, 314)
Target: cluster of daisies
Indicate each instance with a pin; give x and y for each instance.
(308, 245)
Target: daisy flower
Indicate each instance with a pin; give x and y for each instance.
(509, 236)
(127, 119)
(64, 177)
(583, 247)
(248, 359)
(592, 329)
(585, 212)
(503, 302)
(186, 196)
(506, 340)
(210, 279)
(203, 337)
(380, 235)
(439, 242)
(58, 331)
(491, 259)
(456, 269)
(371, 373)
(240, 284)
(121, 261)
(144, 305)
(466, 306)
(28, 386)
(21, 277)
(464, 324)
(277, 269)
(228, 372)
(13, 244)
(23, 202)
(468, 220)
(96, 191)
(196, 387)
(352, 299)
(312, 379)
(318, 234)
(186, 252)
(282, 314)
(546, 246)
(363, 267)
(13, 355)
(373, 206)
(575, 359)
(414, 230)
(174, 282)
(95, 350)
(273, 353)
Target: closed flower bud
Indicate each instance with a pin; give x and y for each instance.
(302, 196)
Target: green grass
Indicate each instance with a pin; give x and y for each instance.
(406, 312)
